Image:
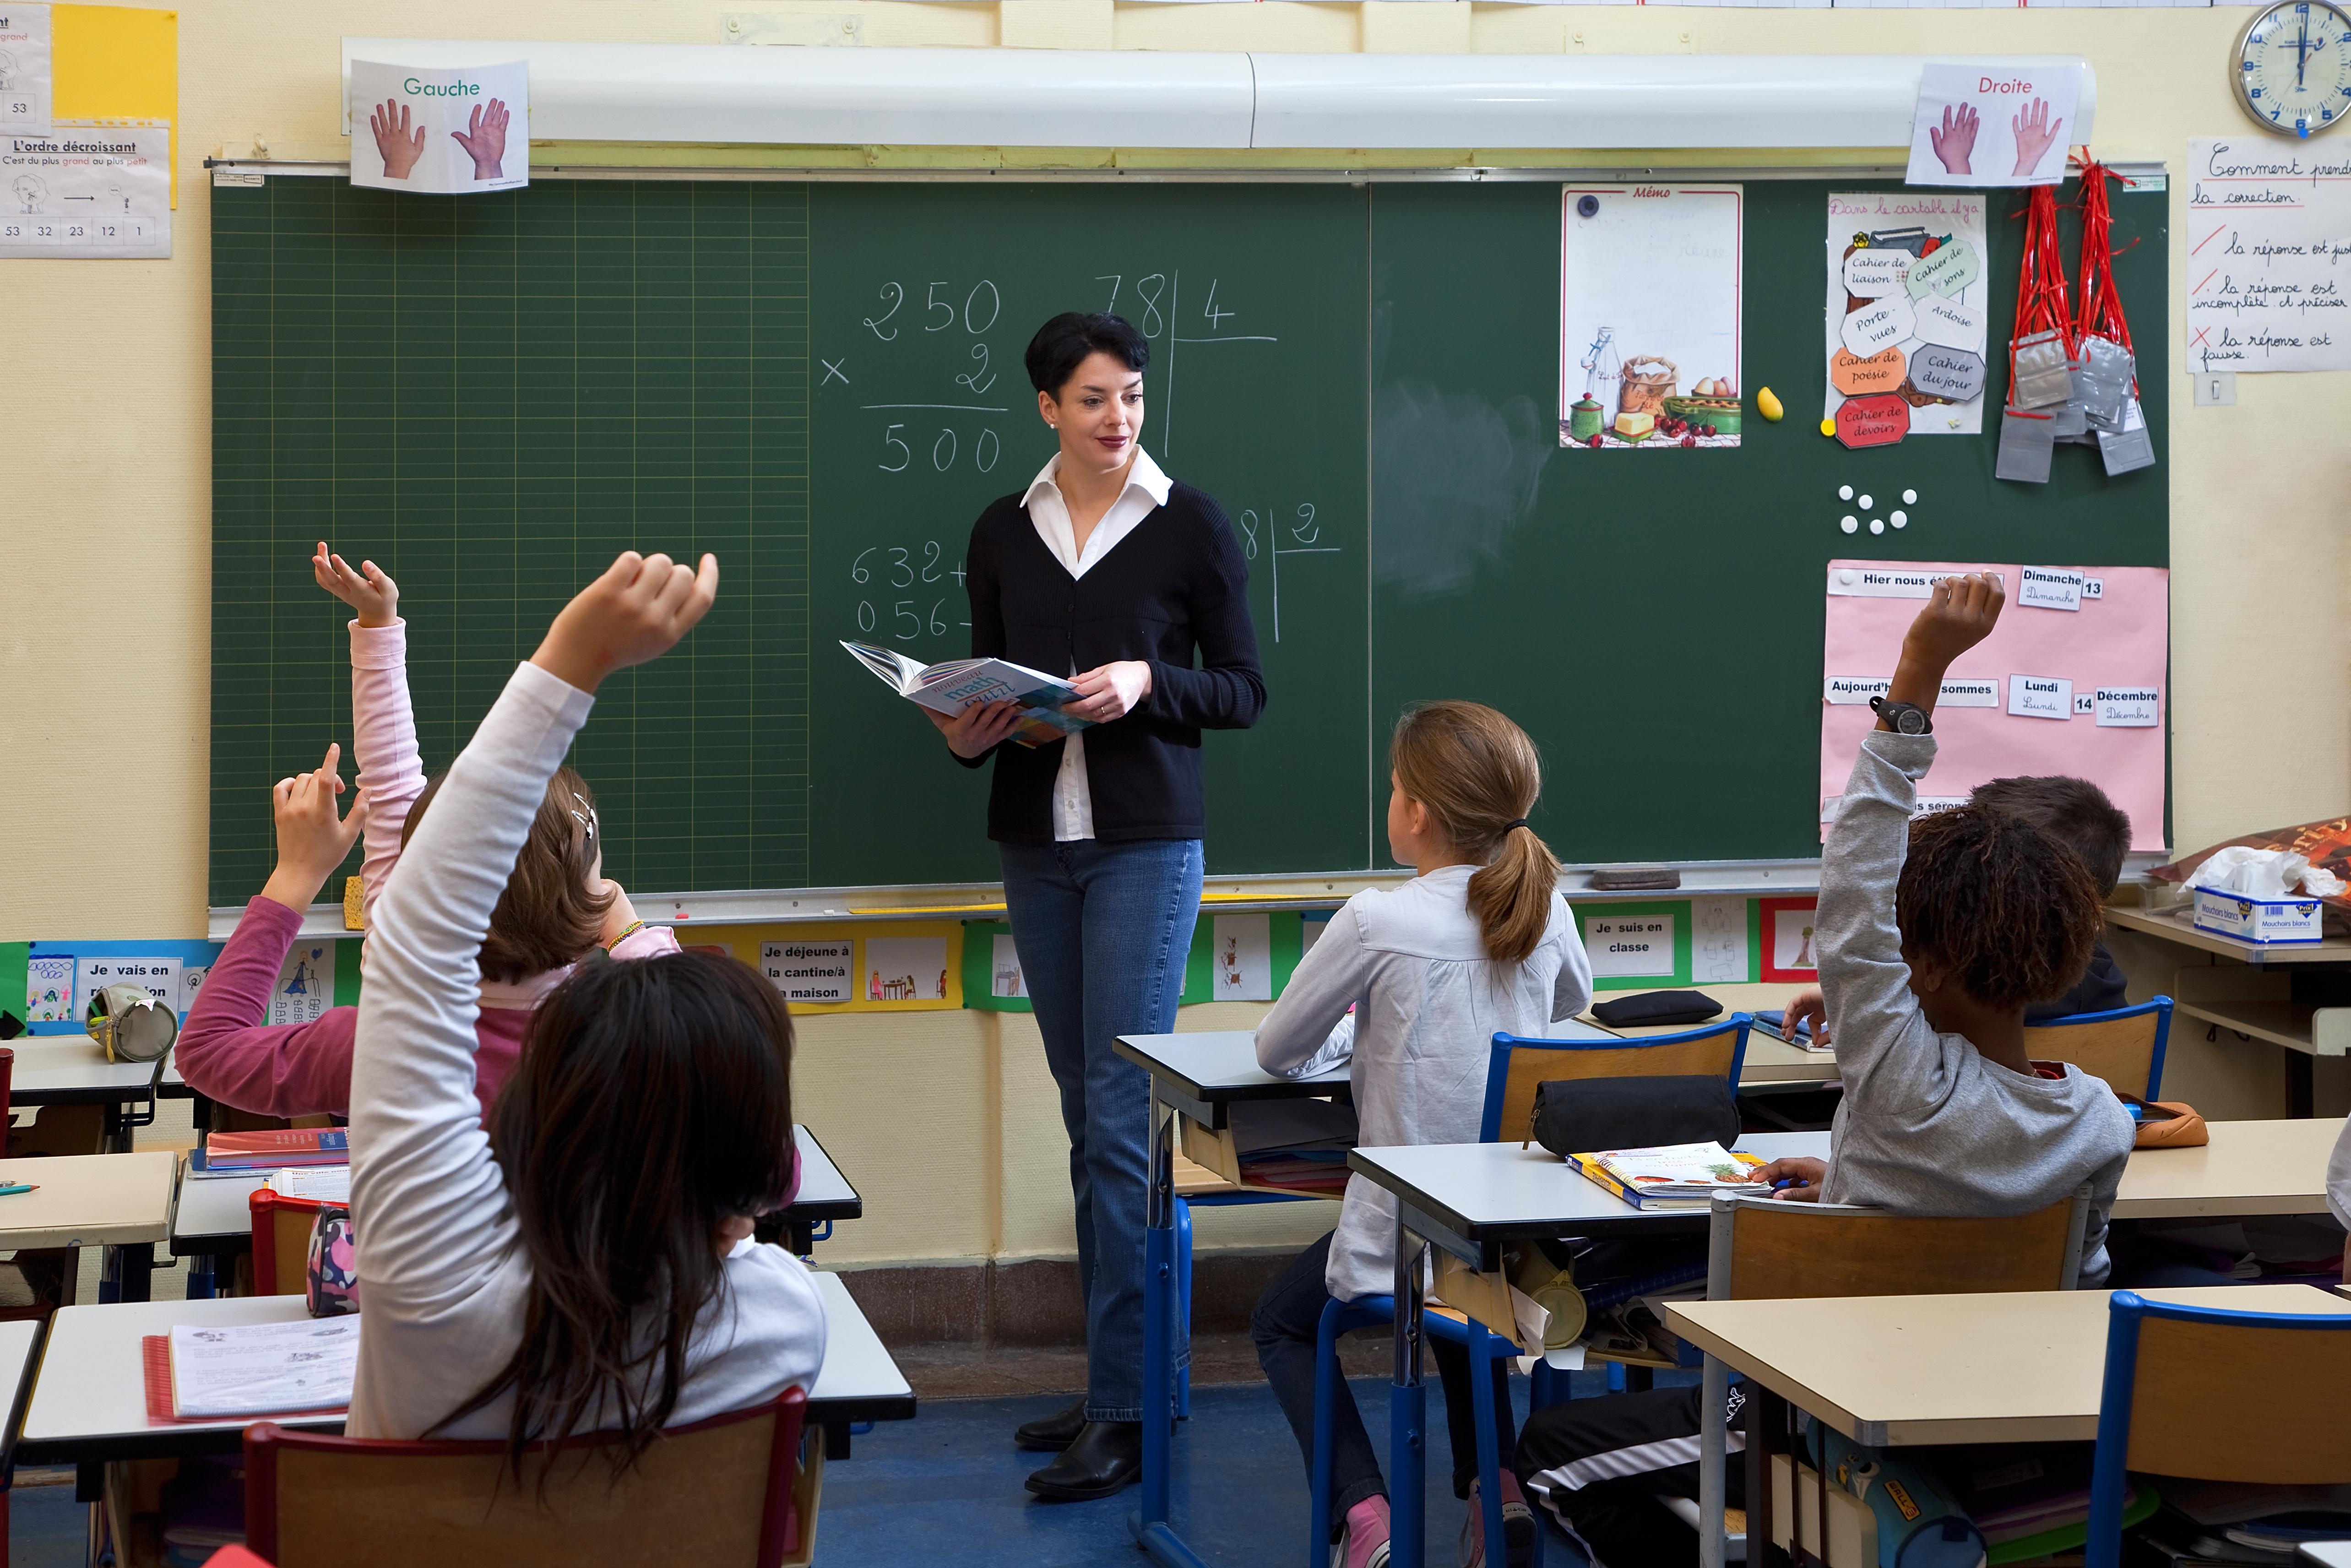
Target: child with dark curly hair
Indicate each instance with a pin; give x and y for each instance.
(1937, 935)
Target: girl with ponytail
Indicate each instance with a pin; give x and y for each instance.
(1409, 988)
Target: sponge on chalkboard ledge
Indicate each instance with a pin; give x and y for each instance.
(1634, 878)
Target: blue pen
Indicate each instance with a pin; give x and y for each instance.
(19, 1187)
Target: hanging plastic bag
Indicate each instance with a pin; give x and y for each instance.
(2026, 445)
(2108, 380)
(2131, 446)
(2043, 375)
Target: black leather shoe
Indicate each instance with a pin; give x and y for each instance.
(1104, 1457)
(1051, 1434)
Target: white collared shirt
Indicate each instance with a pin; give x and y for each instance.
(1048, 510)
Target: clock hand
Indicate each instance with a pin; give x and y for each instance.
(2301, 54)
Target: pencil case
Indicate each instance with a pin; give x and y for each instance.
(1657, 1008)
(330, 1285)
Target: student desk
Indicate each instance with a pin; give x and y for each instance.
(72, 1069)
(1897, 1371)
(89, 1393)
(2249, 1167)
(213, 1218)
(2329, 1553)
(119, 1202)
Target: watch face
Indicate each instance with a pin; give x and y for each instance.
(1910, 721)
(2292, 68)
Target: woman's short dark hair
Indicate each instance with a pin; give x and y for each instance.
(2007, 910)
(652, 1103)
(1061, 345)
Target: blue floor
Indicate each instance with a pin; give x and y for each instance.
(945, 1488)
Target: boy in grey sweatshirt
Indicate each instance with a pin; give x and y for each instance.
(1935, 939)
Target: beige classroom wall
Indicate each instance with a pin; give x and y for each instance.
(947, 1121)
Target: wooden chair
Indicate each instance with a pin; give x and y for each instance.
(1760, 1249)
(720, 1492)
(2124, 1046)
(2229, 1397)
(1520, 1063)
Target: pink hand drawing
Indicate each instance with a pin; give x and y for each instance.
(389, 125)
(2034, 136)
(486, 144)
(1955, 143)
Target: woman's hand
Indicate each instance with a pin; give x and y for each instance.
(1111, 691)
(979, 728)
(367, 590)
(1802, 1176)
(310, 841)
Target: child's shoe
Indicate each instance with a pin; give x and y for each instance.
(1364, 1543)
(1518, 1527)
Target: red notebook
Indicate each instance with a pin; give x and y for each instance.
(155, 1362)
(278, 1149)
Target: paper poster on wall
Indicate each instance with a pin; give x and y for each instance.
(1982, 128)
(1908, 305)
(2269, 248)
(1718, 950)
(1791, 939)
(452, 132)
(306, 983)
(161, 977)
(1242, 953)
(1622, 945)
(192, 980)
(906, 969)
(812, 972)
(97, 192)
(1004, 969)
(50, 989)
(24, 67)
(1649, 282)
(2049, 668)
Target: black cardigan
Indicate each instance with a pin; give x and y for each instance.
(1176, 583)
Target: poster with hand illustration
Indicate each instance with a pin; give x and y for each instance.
(1649, 299)
(1908, 307)
(450, 132)
(1983, 128)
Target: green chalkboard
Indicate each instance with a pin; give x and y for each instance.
(822, 382)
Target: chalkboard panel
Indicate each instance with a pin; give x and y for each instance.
(491, 395)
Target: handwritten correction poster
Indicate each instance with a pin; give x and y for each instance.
(2269, 256)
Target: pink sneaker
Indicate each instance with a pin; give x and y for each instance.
(1518, 1527)
(1365, 1542)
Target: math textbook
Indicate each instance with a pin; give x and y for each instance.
(951, 687)
(1673, 1176)
(278, 1150)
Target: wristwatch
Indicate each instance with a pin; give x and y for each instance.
(1903, 718)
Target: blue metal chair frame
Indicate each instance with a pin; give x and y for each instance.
(1497, 1069)
(2159, 1006)
(2108, 1475)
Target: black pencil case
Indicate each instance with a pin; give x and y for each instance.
(1657, 1008)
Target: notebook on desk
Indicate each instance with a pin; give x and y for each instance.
(229, 1371)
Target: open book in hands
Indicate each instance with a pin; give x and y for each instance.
(951, 687)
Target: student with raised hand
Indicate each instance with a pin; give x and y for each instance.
(1935, 937)
(557, 908)
(586, 1262)
(1478, 943)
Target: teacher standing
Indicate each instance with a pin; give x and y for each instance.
(1106, 571)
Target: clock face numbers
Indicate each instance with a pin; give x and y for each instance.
(2293, 68)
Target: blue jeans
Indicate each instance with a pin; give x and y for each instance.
(1103, 931)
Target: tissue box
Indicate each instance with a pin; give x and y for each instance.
(2257, 919)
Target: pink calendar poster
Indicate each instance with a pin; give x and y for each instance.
(2071, 681)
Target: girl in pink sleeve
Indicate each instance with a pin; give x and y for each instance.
(557, 909)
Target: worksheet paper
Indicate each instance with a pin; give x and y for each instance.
(2106, 659)
(99, 193)
(451, 132)
(2269, 254)
(1648, 291)
(24, 67)
(1907, 306)
(263, 1369)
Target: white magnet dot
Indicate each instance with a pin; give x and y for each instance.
(1867, 502)
(1846, 575)
(1909, 497)
(1898, 520)
(1849, 524)
(1877, 524)
(1845, 492)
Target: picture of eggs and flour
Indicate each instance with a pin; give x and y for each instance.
(1649, 301)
